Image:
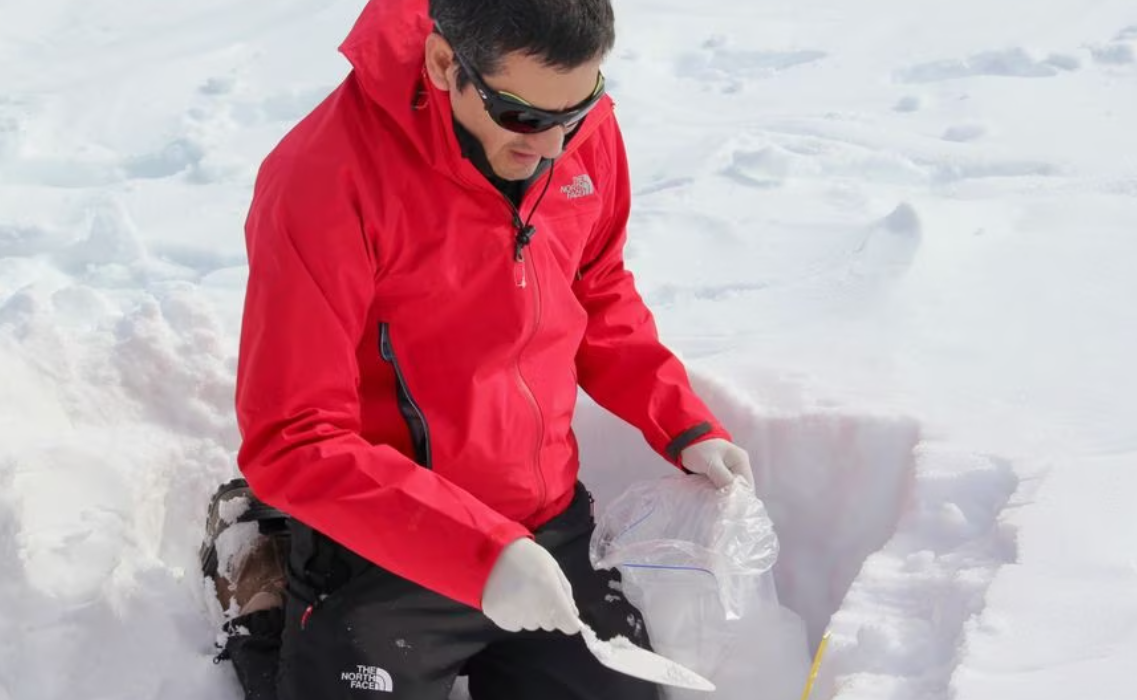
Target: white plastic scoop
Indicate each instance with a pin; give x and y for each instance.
(621, 655)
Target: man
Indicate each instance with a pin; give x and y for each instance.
(435, 265)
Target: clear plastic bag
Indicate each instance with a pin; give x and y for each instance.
(683, 524)
(696, 561)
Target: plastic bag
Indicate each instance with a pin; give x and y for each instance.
(696, 562)
(683, 524)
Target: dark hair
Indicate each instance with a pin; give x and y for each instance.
(561, 33)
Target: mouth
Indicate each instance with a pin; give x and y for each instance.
(526, 159)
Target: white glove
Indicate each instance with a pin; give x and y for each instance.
(719, 460)
(527, 590)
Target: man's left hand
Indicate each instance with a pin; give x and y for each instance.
(719, 460)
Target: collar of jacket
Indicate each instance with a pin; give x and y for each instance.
(385, 47)
(473, 151)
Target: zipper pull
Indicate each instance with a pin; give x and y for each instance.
(524, 236)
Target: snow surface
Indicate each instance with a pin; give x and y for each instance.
(893, 240)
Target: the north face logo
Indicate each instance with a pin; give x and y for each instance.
(368, 678)
(581, 187)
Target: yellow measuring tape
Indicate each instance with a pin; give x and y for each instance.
(816, 665)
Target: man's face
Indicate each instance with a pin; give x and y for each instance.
(513, 156)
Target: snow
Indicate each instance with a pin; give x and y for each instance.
(623, 655)
(894, 242)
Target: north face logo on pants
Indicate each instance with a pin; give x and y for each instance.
(368, 678)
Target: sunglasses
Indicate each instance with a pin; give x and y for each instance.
(514, 114)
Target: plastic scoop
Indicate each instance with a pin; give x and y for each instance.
(619, 654)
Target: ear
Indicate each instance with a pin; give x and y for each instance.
(439, 62)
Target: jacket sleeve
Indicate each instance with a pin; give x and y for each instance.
(621, 362)
(310, 289)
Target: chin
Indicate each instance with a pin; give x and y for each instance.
(513, 172)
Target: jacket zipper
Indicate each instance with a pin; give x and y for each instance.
(412, 414)
(520, 260)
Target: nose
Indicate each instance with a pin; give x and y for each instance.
(548, 144)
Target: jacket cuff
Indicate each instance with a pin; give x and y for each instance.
(697, 433)
(497, 539)
(684, 439)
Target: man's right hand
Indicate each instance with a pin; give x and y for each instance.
(527, 590)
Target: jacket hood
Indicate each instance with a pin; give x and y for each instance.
(386, 49)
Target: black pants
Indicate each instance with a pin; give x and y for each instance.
(354, 630)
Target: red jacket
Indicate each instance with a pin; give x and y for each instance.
(399, 389)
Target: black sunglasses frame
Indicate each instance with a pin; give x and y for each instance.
(514, 115)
